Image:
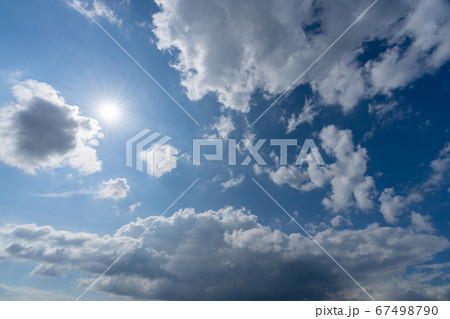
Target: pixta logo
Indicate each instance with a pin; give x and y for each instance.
(309, 151)
(148, 152)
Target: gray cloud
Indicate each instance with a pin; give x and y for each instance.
(44, 129)
(41, 131)
(227, 254)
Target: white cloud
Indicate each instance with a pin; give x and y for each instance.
(348, 173)
(134, 206)
(95, 9)
(114, 189)
(350, 186)
(41, 131)
(307, 115)
(232, 182)
(257, 169)
(235, 49)
(228, 255)
(231, 49)
(163, 159)
(224, 126)
(427, 26)
(392, 206)
(291, 175)
(424, 24)
(343, 86)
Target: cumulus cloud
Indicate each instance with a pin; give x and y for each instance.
(95, 9)
(41, 131)
(227, 255)
(163, 159)
(234, 49)
(343, 86)
(291, 175)
(114, 189)
(417, 45)
(350, 186)
(426, 25)
(392, 206)
(232, 182)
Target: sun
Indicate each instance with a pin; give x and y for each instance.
(109, 112)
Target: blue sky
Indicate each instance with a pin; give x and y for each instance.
(376, 105)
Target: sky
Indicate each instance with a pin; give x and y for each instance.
(81, 77)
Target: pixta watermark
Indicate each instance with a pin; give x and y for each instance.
(147, 151)
(309, 151)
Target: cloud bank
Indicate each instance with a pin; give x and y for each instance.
(228, 255)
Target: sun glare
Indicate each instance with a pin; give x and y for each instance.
(110, 112)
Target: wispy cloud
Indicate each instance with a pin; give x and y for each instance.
(115, 189)
(134, 206)
(68, 194)
(233, 182)
(94, 9)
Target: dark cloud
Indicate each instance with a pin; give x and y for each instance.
(228, 255)
(45, 129)
(42, 131)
